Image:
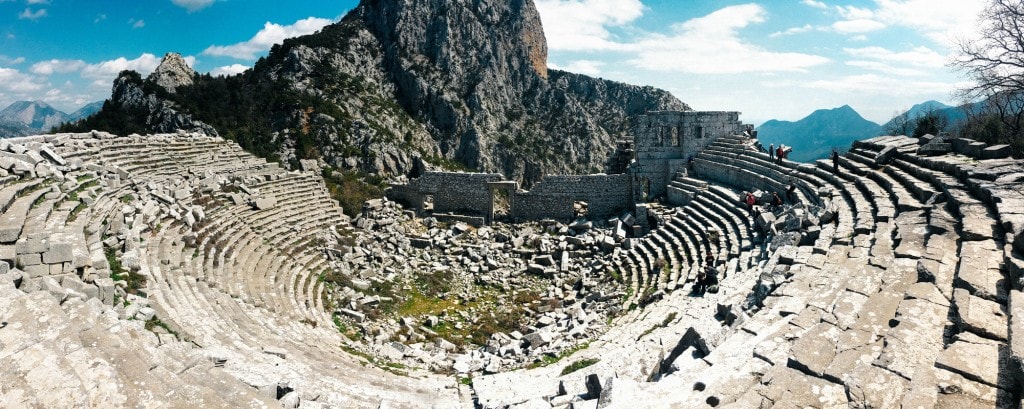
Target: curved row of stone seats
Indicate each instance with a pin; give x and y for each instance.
(732, 161)
(904, 198)
(271, 331)
(680, 244)
(895, 315)
(80, 354)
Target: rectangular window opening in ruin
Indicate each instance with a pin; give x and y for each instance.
(501, 204)
(699, 132)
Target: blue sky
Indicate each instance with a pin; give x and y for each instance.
(768, 59)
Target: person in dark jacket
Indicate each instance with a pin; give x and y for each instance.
(835, 161)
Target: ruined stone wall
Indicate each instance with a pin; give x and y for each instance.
(453, 192)
(665, 139)
(554, 196)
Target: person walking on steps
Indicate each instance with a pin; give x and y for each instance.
(750, 200)
(771, 152)
(835, 161)
(778, 155)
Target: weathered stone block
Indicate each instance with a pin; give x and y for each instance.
(933, 149)
(980, 316)
(996, 152)
(59, 253)
(974, 149)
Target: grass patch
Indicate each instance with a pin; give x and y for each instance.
(575, 366)
(39, 200)
(393, 367)
(74, 212)
(117, 272)
(156, 322)
(128, 198)
(468, 381)
(351, 189)
(349, 333)
(548, 359)
(664, 323)
(416, 303)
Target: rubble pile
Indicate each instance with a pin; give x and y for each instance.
(551, 276)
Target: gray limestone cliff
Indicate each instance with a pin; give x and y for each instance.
(130, 94)
(455, 84)
(173, 72)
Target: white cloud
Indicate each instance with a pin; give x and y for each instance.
(886, 68)
(815, 4)
(14, 81)
(918, 57)
(5, 60)
(108, 70)
(270, 34)
(193, 5)
(857, 26)
(137, 24)
(57, 66)
(941, 21)
(38, 2)
(794, 30)
(28, 14)
(585, 67)
(582, 25)
(855, 13)
(712, 45)
(229, 70)
(99, 18)
(874, 84)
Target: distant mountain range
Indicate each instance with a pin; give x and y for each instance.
(814, 136)
(33, 117)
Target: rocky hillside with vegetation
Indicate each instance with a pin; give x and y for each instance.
(458, 85)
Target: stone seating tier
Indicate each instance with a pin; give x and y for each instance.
(908, 299)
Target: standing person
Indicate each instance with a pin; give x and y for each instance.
(791, 192)
(835, 161)
(771, 152)
(778, 154)
(750, 200)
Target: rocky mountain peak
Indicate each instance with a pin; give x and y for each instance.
(451, 83)
(173, 72)
(32, 115)
(470, 40)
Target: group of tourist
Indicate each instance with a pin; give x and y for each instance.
(707, 278)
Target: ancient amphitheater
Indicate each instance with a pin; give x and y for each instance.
(894, 282)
